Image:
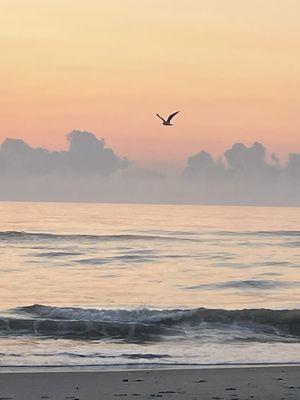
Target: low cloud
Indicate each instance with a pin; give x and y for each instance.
(90, 171)
(244, 175)
(87, 155)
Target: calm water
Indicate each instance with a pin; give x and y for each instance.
(86, 284)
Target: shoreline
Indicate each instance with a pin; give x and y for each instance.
(242, 382)
(137, 367)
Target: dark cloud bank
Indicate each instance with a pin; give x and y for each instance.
(89, 171)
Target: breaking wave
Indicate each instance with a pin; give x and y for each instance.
(83, 329)
(147, 324)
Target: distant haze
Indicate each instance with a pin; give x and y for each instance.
(90, 171)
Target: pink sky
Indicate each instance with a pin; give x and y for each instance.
(231, 67)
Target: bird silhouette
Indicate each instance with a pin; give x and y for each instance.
(168, 120)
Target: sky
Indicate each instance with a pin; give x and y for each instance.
(231, 67)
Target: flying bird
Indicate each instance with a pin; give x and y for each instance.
(168, 120)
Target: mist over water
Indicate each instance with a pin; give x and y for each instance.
(87, 284)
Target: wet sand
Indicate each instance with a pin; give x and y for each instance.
(228, 383)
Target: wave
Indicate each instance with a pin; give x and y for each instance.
(248, 284)
(132, 356)
(287, 233)
(148, 324)
(83, 329)
(39, 236)
(149, 236)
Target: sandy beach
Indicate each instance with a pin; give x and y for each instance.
(253, 382)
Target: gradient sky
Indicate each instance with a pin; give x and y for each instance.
(231, 67)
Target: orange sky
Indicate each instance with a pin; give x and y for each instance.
(232, 67)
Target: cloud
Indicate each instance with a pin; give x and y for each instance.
(87, 171)
(243, 176)
(240, 162)
(90, 171)
(293, 167)
(246, 159)
(198, 164)
(202, 166)
(87, 155)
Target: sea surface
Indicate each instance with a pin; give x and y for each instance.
(111, 285)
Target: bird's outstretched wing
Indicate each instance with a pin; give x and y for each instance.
(171, 116)
(161, 117)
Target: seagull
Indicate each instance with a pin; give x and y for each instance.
(168, 120)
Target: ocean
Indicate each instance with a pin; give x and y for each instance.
(119, 285)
